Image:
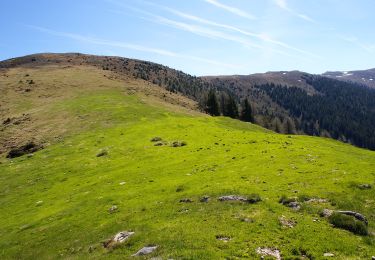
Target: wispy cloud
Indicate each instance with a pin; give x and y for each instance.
(260, 36)
(124, 45)
(284, 5)
(370, 48)
(231, 9)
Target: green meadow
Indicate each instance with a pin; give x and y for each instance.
(55, 204)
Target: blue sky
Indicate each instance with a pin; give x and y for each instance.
(200, 37)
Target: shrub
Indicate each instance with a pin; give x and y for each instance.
(348, 223)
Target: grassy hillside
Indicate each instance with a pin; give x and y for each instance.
(55, 203)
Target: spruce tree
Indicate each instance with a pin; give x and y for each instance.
(247, 112)
(212, 106)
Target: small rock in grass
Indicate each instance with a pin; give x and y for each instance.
(205, 199)
(186, 200)
(247, 220)
(294, 205)
(102, 153)
(159, 144)
(373, 257)
(39, 203)
(113, 209)
(232, 198)
(178, 144)
(223, 238)
(146, 250)
(273, 252)
(122, 183)
(253, 198)
(156, 139)
(288, 223)
(326, 213)
(365, 186)
(117, 239)
(328, 255)
(357, 215)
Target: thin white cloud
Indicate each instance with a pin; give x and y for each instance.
(98, 41)
(263, 36)
(231, 9)
(207, 32)
(370, 48)
(284, 5)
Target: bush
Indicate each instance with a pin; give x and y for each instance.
(348, 223)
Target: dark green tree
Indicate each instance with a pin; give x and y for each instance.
(212, 106)
(247, 112)
(230, 107)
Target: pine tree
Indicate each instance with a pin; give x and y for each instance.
(247, 112)
(212, 106)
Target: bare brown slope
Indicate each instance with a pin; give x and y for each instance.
(31, 92)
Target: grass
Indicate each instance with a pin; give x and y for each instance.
(56, 203)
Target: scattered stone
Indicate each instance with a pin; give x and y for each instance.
(28, 148)
(316, 200)
(205, 199)
(102, 153)
(122, 183)
(365, 186)
(113, 209)
(156, 139)
(178, 144)
(186, 200)
(223, 238)
(294, 205)
(232, 198)
(247, 220)
(253, 198)
(159, 144)
(326, 213)
(39, 203)
(288, 223)
(117, 239)
(146, 250)
(328, 255)
(273, 252)
(357, 215)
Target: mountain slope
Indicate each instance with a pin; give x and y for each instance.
(364, 77)
(56, 203)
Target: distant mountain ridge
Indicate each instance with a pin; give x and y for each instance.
(365, 77)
